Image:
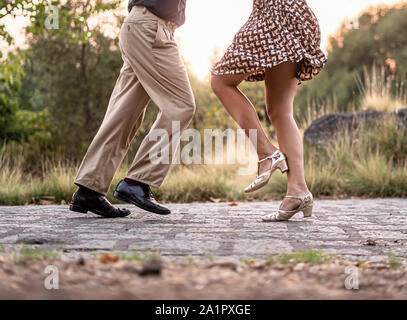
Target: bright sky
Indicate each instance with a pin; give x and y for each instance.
(211, 24)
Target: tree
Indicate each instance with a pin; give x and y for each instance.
(70, 71)
(73, 16)
(381, 39)
(76, 81)
(11, 73)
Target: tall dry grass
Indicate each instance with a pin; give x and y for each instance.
(371, 162)
(379, 91)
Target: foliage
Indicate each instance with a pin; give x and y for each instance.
(70, 73)
(11, 73)
(381, 40)
(77, 81)
(73, 24)
(343, 168)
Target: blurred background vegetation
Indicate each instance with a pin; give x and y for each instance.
(54, 93)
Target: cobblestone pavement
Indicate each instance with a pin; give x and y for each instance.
(358, 229)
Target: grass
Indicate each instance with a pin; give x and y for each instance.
(312, 257)
(195, 183)
(188, 260)
(369, 163)
(316, 110)
(139, 256)
(130, 256)
(208, 256)
(393, 261)
(377, 90)
(25, 254)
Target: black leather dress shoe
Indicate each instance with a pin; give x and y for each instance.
(140, 195)
(97, 204)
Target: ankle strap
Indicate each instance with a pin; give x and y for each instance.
(274, 155)
(299, 197)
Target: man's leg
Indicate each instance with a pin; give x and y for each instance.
(149, 45)
(154, 56)
(123, 117)
(122, 120)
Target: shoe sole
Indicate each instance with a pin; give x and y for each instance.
(120, 197)
(79, 209)
(260, 186)
(84, 210)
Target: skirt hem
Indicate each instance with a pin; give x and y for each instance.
(258, 73)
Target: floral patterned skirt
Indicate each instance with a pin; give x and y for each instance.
(277, 31)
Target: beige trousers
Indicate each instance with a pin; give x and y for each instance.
(153, 69)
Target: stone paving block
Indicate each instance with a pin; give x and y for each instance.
(177, 247)
(384, 234)
(261, 247)
(338, 226)
(9, 240)
(92, 245)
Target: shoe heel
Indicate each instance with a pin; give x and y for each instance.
(308, 212)
(283, 166)
(79, 209)
(117, 196)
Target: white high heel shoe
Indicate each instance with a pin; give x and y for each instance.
(307, 203)
(279, 161)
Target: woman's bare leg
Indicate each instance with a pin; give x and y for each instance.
(281, 87)
(243, 112)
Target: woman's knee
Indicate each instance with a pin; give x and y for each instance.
(221, 84)
(217, 84)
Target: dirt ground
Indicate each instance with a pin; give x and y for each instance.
(110, 279)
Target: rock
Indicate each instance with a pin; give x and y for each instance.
(224, 264)
(151, 267)
(324, 129)
(30, 240)
(402, 116)
(81, 262)
(108, 258)
(300, 267)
